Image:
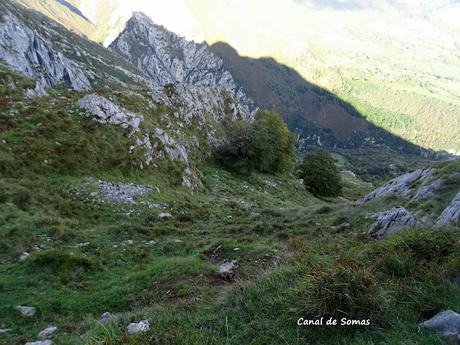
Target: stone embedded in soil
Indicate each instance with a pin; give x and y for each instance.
(227, 270)
(106, 318)
(47, 332)
(447, 323)
(138, 327)
(26, 311)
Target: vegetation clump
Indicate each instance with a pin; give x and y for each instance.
(345, 290)
(265, 145)
(320, 175)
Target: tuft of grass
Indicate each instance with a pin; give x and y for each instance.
(60, 260)
(345, 290)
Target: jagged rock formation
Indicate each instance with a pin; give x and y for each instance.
(447, 323)
(401, 186)
(170, 59)
(29, 53)
(45, 51)
(451, 214)
(392, 221)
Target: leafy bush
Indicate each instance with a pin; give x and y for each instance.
(320, 175)
(265, 145)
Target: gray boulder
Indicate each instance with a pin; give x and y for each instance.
(107, 318)
(447, 323)
(164, 215)
(451, 213)
(138, 327)
(26, 311)
(392, 221)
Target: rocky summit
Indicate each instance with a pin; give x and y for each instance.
(155, 192)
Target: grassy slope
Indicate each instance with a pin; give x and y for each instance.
(293, 247)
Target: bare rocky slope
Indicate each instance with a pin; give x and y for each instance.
(179, 89)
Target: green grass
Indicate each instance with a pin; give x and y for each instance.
(299, 256)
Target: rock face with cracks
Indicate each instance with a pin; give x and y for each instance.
(401, 186)
(392, 221)
(451, 214)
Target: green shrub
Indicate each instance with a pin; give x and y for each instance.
(265, 145)
(320, 175)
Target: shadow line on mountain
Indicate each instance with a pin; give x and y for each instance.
(317, 115)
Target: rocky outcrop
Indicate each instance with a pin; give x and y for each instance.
(27, 52)
(401, 186)
(171, 60)
(105, 111)
(427, 191)
(174, 150)
(447, 323)
(392, 221)
(451, 214)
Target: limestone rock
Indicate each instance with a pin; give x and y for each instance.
(26, 311)
(427, 191)
(47, 332)
(392, 221)
(141, 326)
(164, 215)
(400, 186)
(451, 214)
(28, 52)
(24, 256)
(447, 323)
(187, 69)
(227, 270)
(107, 318)
(121, 192)
(174, 150)
(106, 111)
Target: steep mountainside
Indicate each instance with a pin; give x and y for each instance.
(396, 62)
(115, 228)
(167, 58)
(160, 121)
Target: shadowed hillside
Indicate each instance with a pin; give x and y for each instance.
(320, 117)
